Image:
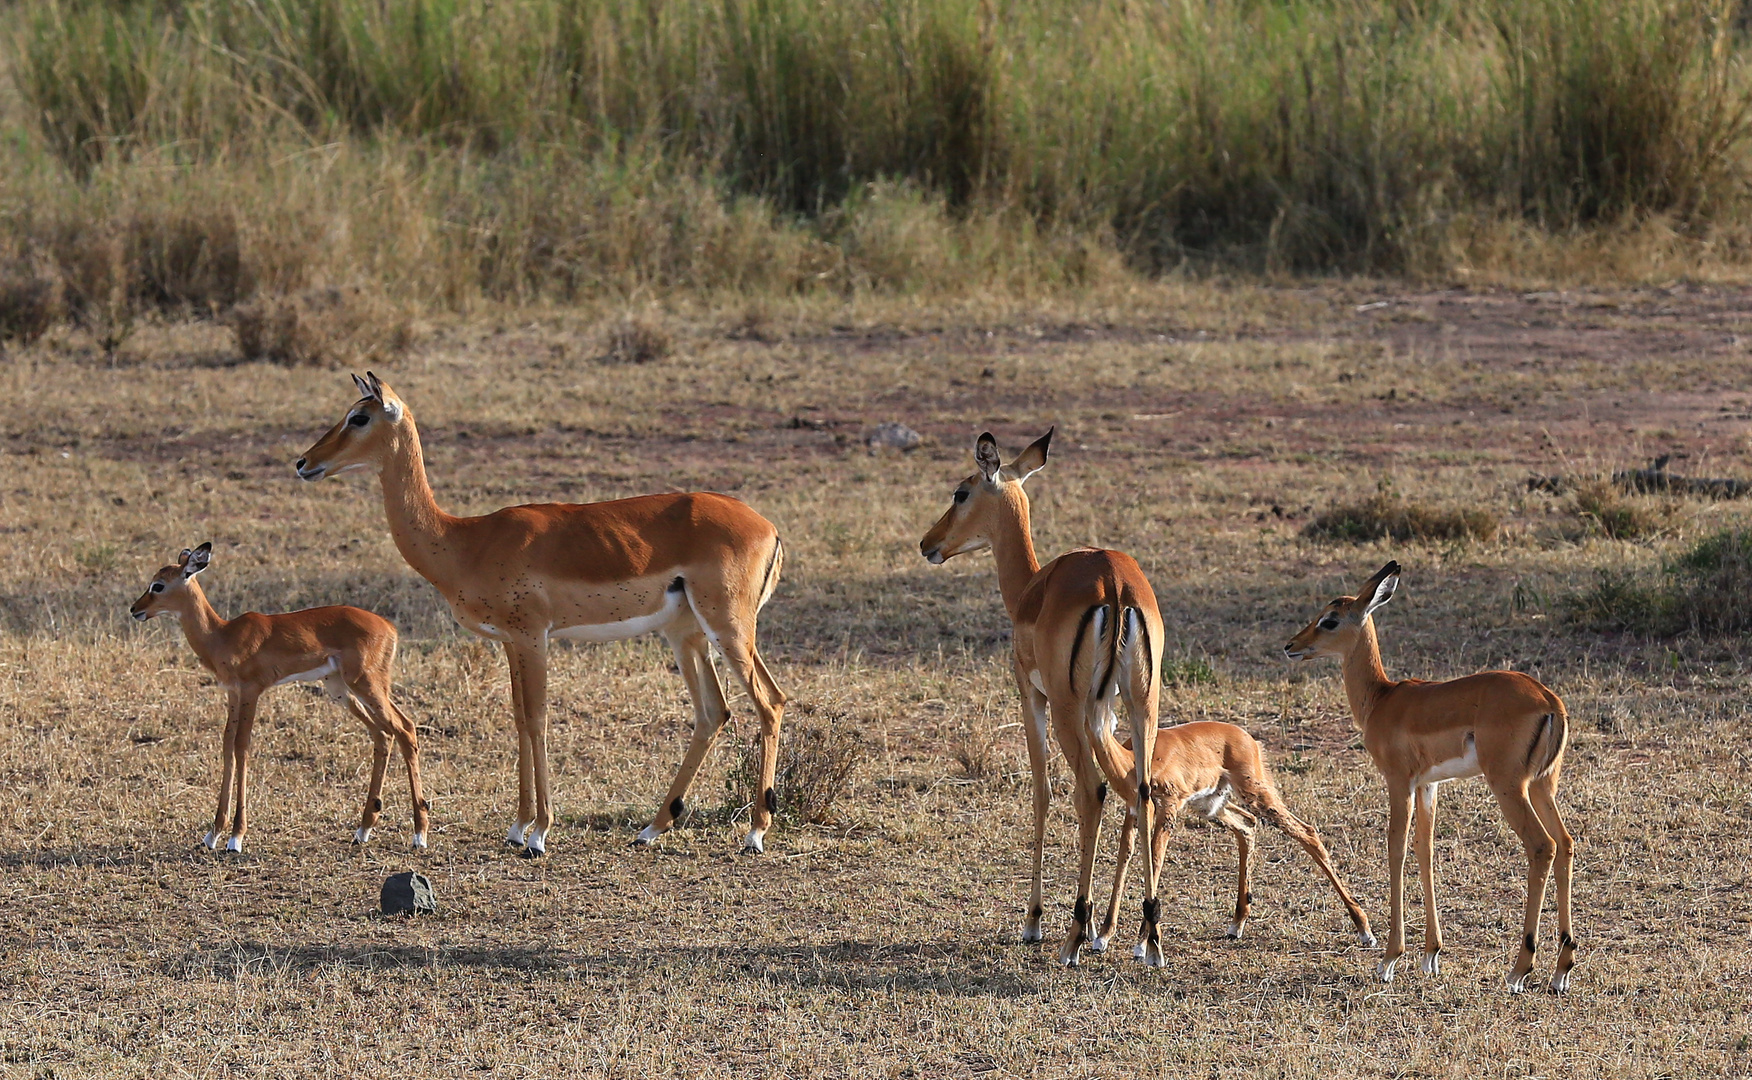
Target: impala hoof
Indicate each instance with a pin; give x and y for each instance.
(514, 836)
(1385, 971)
(1560, 982)
(234, 845)
(536, 846)
(419, 841)
(1234, 932)
(1138, 951)
(754, 843)
(1516, 983)
(1432, 963)
(210, 841)
(361, 836)
(647, 836)
(1366, 940)
(1031, 935)
(1153, 955)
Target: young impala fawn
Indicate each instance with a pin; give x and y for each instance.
(1213, 770)
(349, 650)
(1086, 635)
(1502, 725)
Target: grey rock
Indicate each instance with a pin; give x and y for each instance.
(892, 436)
(409, 894)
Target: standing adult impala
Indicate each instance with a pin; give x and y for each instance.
(1502, 725)
(694, 567)
(1087, 633)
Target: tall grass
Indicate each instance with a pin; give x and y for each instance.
(1293, 134)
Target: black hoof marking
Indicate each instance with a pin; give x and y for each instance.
(675, 809)
(1248, 898)
(377, 805)
(1037, 913)
(1080, 912)
(1532, 946)
(531, 853)
(1152, 911)
(772, 801)
(1144, 791)
(425, 804)
(1101, 793)
(1567, 942)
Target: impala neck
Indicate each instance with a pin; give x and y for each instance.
(1365, 680)
(200, 623)
(419, 527)
(1013, 548)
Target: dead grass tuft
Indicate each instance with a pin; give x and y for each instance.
(322, 327)
(632, 340)
(30, 303)
(817, 759)
(1386, 515)
(1605, 507)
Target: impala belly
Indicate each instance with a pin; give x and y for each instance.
(315, 674)
(1454, 768)
(621, 629)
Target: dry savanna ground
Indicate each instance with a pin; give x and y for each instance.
(1199, 427)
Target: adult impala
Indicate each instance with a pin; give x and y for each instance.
(693, 567)
(1213, 770)
(1502, 725)
(350, 651)
(1086, 635)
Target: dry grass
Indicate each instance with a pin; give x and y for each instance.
(884, 945)
(1387, 515)
(321, 327)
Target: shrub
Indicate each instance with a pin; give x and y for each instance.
(1602, 504)
(321, 326)
(636, 341)
(29, 304)
(1385, 515)
(1705, 591)
(817, 759)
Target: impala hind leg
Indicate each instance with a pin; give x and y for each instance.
(1243, 825)
(373, 807)
(407, 736)
(1274, 811)
(1088, 801)
(710, 713)
(769, 705)
(525, 760)
(389, 722)
(1518, 811)
(1543, 791)
(1128, 829)
(529, 674)
(1034, 722)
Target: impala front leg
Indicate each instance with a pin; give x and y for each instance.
(529, 673)
(525, 757)
(1398, 825)
(1034, 719)
(1426, 869)
(227, 774)
(246, 707)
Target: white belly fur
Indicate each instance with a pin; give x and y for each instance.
(1454, 768)
(315, 674)
(625, 628)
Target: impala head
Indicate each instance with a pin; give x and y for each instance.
(358, 441)
(1334, 631)
(967, 524)
(171, 584)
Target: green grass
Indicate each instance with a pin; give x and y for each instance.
(1702, 590)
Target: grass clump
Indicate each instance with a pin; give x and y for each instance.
(633, 340)
(1703, 591)
(1386, 515)
(1604, 506)
(326, 327)
(817, 759)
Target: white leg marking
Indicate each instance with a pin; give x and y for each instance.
(1366, 940)
(1030, 934)
(1153, 955)
(361, 836)
(1386, 969)
(234, 844)
(753, 843)
(1097, 944)
(1235, 929)
(647, 836)
(420, 841)
(1516, 983)
(514, 835)
(1138, 951)
(537, 842)
(1560, 982)
(1432, 963)
(210, 841)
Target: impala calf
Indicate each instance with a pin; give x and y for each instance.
(1087, 635)
(1213, 770)
(696, 568)
(1502, 725)
(350, 651)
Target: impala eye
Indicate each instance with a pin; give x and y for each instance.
(1329, 623)
(157, 586)
(359, 419)
(961, 495)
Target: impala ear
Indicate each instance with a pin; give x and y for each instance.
(392, 406)
(1033, 459)
(1379, 588)
(193, 562)
(985, 452)
(365, 390)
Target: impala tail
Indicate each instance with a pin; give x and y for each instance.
(1549, 741)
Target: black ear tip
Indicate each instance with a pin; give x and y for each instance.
(985, 437)
(1392, 567)
(206, 545)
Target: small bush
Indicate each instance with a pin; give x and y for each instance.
(1386, 515)
(1187, 671)
(29, 305)
(322, 326)
(816, 761)
(1703, 591)
(1619, 518)
(636, 341)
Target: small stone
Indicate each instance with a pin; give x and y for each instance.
(892, 436)
(409, 894)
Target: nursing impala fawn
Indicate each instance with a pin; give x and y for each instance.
(1502, 725)
(1214, 771)
(694, 567)
(1086, 635)
(350, 651)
